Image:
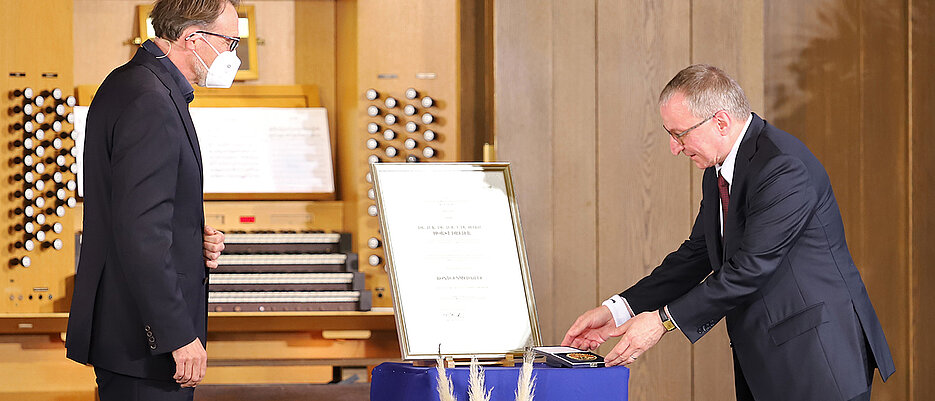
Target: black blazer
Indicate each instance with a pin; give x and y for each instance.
(797, 311)
(141, 286)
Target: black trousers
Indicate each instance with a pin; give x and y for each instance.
(117, 387)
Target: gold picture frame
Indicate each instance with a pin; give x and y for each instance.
(452, 233)
(247, 51)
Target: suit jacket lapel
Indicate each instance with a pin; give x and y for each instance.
(182, 106)
(738, 188)
(146, 59)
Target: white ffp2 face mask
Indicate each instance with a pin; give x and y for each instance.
(222, 71)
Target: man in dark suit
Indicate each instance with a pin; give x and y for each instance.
(767, 251)
(139, 309)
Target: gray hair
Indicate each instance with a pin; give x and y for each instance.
(707, 89)
(171, 17)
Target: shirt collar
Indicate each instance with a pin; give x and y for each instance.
(174, 72)
(726, 168)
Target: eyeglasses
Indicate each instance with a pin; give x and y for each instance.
(678, 136)
(234, 41)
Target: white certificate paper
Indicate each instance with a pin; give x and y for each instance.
(456, 257)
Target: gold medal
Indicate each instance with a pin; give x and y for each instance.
(579, 356)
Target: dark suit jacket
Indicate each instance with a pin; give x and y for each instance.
(141, 289)
(797, 311)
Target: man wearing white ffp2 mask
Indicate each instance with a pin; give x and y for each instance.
(139, 307)
(221, 72)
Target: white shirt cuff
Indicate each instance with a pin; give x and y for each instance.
(619, 308)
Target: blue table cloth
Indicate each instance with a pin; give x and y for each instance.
(404, 382)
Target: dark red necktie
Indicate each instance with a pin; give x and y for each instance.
(724, 189)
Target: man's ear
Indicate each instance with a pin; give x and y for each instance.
(722, 119)
(187, 39)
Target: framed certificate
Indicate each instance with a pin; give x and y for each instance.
(456, 259)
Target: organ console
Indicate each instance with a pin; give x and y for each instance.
(287, 271)
(36, 155)
(253, 280)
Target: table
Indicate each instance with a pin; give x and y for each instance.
(402, 381)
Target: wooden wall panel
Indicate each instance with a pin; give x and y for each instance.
(921, 145)
(852, 113)
(728, 34)
(816, 103)
(884, 193)
(523, 100)
(575, 88)
(643, 191)
(574, 147)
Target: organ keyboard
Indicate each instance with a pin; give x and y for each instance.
(287, 271)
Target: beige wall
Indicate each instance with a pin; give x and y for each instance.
(102, 29)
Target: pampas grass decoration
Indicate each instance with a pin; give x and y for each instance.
(476, 390)
(526, 385)
(445, 390)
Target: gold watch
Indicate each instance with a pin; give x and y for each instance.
(666, 322)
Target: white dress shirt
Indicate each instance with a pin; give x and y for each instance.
(619, 307)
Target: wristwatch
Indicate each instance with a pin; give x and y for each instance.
(666, 322)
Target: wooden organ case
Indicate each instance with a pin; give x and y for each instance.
(38, 171)
(417, 101)
(420, 61)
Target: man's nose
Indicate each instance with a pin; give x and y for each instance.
(675, 146)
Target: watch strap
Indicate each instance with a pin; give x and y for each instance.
(666, 321)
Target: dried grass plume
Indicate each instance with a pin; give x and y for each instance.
(445, 389)
(526, 384)
(476, 389)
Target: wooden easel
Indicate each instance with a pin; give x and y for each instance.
(450, 362)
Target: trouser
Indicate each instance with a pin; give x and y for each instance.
(113, 386)
(743, 390)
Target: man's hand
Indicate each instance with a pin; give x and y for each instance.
(591, 329)
(191, 362)
(639, 334)
(213, 245)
